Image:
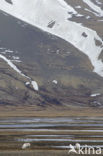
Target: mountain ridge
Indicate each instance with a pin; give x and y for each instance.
(61, 24)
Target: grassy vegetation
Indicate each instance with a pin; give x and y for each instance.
(39, 153)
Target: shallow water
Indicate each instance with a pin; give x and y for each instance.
(50, 133)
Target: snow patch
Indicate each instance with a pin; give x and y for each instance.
(94, 7)
(96, 94)
(55, 81)
(78, 7)
(8, 51)
(27, 83)
(11, 65)
(88, 17)
(98, 2)
(35, 85)
(15, 57)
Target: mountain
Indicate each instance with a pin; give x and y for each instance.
(51, 54)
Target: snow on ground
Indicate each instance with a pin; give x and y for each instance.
(94, 7)
(5, 51)
(96, 94)
(35, 85)
(27, 83)
(1, 48)
(78, 7)
(55, 81)
(8, 51)
(9, 62)
(41, 12)
(98, 2)
(91, 11)
(88, 17)
(11, 65)
(15, 59)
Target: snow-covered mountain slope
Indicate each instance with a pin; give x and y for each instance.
(54, 16)
(98, 11)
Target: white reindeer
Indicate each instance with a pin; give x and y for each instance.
(26, 145)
